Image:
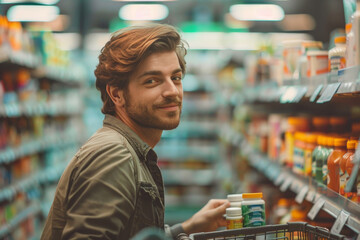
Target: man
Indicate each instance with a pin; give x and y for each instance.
(113, 187)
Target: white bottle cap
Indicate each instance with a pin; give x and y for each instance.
(233, 211)
(235, 197)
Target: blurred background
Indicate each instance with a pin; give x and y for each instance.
(236, 88)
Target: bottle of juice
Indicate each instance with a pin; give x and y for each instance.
(343, 173)
(327, 151)
(333, 163)
(354, 193)
(310, 144)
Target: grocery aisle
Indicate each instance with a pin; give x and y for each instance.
(271, 106)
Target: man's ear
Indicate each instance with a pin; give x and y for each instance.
(116, 95)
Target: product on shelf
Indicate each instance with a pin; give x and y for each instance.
(354, 193)
(337, 59)
(253, 210)
(350, 44)
(291, 56)
(343, 173)
(299, 153)
(355, 21)
(317, 62)
(303, 61)
(310, 144)
(333, 163)
(295, 124)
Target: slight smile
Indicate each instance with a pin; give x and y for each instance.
(170, 107)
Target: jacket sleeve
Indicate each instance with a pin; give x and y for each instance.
(102, 195)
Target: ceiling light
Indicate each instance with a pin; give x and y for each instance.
(257, 12)
(133, 12)
(45, 2)
(32, 13)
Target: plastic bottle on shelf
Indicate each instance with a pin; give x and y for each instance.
(343, 173)
(299, 153)
(356, 28)
(234, 219)
(337, 54)
(329, 141)
(355, 131)
(295, 124)
(317, 62)
(333, 163)
(315, 156)
(354, 194)
(303, 62)
(310, 144)
(253, 209)
(349, 55)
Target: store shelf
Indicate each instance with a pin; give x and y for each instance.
(66, 105)
(303, 187)
(56, 139)
(72, 74)
(187, 177)
(19, 58)
(177, 152)
(318, 89)
(20, 217)
(193, 129)
(41, 177)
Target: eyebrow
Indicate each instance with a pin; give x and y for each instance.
(149, 73)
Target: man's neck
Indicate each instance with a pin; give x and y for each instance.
(149, 135)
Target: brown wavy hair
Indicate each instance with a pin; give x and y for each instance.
(126, 49)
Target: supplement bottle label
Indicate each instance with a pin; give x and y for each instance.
(253, 215)
(234, 223)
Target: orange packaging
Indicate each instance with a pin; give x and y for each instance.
(311, 142)
(295, 124)
(333, 163)
(354, 193)
(343, 173)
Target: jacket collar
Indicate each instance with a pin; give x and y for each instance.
(140, 147)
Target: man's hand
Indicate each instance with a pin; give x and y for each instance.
(209, 218)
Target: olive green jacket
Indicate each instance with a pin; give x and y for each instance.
(111, 189)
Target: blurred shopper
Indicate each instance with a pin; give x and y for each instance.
(113, 187)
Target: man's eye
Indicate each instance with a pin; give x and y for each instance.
(178, 78)
(150, 81)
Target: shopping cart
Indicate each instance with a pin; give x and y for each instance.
(289, 231)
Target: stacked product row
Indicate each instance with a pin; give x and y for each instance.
(41, 126)
(319, 147)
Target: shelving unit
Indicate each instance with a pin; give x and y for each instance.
(303, 187)
(33, 161)
(326, 88)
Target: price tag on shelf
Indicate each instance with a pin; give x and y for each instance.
(316, 93)
(280, 179)
(286, 184)
(301, 195)
(316, 208)
(310, 196)
(328, 93)
(340, 222)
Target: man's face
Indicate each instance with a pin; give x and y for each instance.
(154, 95)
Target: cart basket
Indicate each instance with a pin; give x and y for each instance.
(289, 231)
